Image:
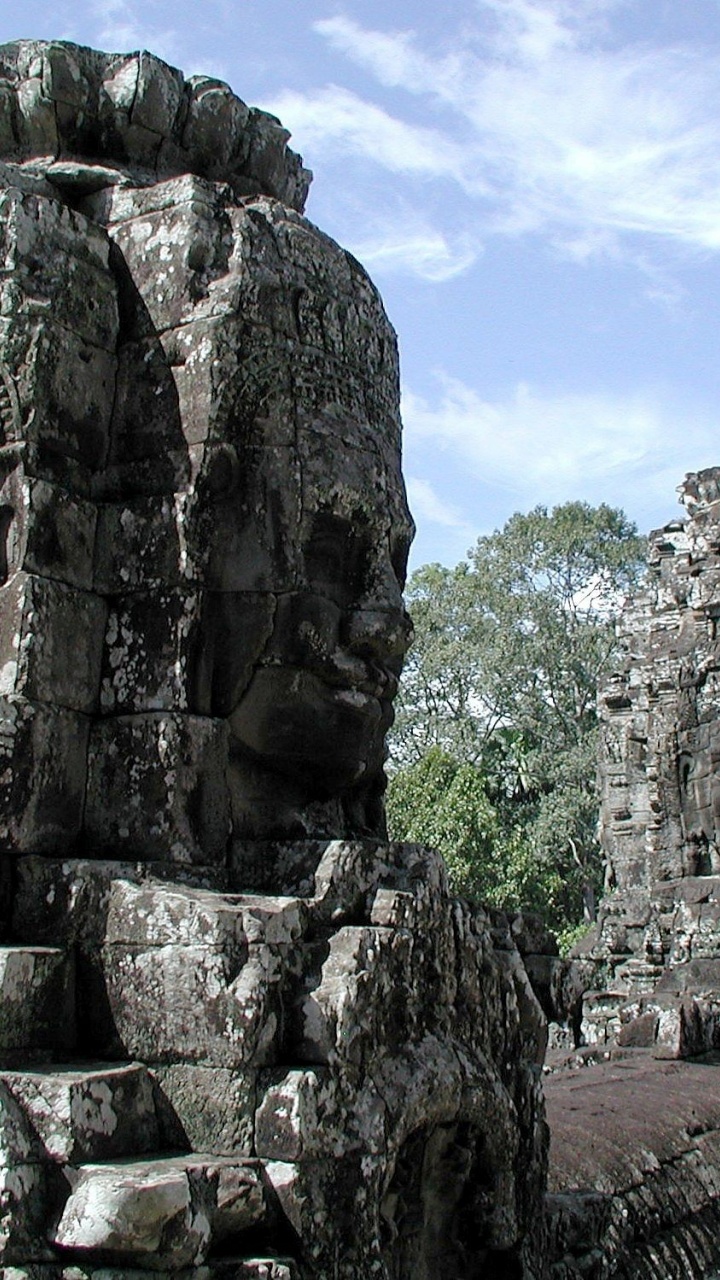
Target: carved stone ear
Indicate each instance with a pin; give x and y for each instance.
(221, 471)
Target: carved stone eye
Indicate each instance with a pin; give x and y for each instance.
(336, 558)
(222, 470)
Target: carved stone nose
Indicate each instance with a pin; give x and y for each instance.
(379, 633)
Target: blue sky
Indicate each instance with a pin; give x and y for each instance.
(535, 187)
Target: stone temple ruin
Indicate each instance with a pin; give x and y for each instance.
(241, 1034)
(657, 947)
(635, 1149)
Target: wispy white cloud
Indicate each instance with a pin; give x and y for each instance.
(414, 246)
(550, 127)
(545, 447)
(334, 117)
(121, 28)
(428, 506)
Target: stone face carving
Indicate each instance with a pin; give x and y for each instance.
(240, 1034)
(211, 386)
(657, 943)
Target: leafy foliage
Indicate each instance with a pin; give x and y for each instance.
(502, 683)
(445, 804)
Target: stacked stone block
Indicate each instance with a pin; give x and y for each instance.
(657, 943)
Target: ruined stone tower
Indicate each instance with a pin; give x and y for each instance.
(657, 944)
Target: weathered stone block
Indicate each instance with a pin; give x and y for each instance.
(70, 275)
(161, 1214)
(356, 999)
(235, 630)
(176, 253)
(43, 752)
(65, 392)
(146, 425)
(680, 1029)
(172, 803)
(214, 127)
(90, 1114)
(51, 641)
(207, 1108)
(156, 1214)
(24, 1187)
(250, 535)
(60, 534)
(65, 903)
(194, 1004)
(159, 915)
(195, 977)
(306, 1114)
(139, 545)
(37, 1007)
(150, 654)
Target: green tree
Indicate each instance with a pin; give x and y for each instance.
(503, 677)
(445, 804)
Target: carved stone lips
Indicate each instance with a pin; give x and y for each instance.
(371, 680)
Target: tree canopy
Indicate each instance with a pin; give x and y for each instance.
(502, 681)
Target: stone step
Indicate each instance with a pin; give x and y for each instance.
(164, 1212)
(218, 960)
(88, 1112)
(37, 1007)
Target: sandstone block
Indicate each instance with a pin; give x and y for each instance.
(207, 1108)
(356, 999)
(51, 640)
(161, 915)
(88, 1114)
(161, 1214)
(150, 653)
(214, 128)
(680, 1030)
(194, 1004)
(147, 451)
(310, 1114)
(25, 1187)
(37, 1013)
(65, 391)
(193, 977)
(157, 95)
(65, 903)
(60, 534)
(172, 805)
(139, 546)
(188, 246)
(41, 807)
(155, 1215)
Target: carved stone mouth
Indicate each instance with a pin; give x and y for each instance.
(376, 683)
